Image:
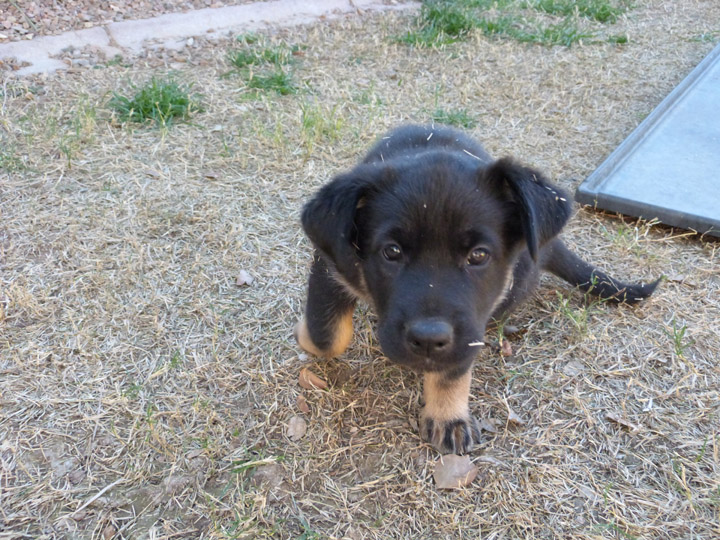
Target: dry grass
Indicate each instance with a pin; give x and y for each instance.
(144, 394)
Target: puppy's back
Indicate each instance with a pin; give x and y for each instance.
(411, 140)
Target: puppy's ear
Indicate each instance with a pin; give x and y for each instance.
(329, 217)
(542, 208)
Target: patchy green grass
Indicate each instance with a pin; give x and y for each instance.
(160, 101)
(602, 11)
(618, 39)
(275, 55)
(579, 316)
(118, 60)
(280, 82)
(9, 162)
(679, 338)
(262, 66)
(454, 117)
(564, 33)
(545, 22)
(318, 123)
(440, 23)
(707, 37)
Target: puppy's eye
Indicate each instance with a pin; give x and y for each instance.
(478, 256)
(392, 252)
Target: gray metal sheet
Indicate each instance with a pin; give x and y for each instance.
(669, 167)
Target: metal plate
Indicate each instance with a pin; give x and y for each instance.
(669, 167)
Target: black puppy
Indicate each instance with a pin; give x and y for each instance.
(439, 238)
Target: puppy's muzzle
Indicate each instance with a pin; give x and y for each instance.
(430, 338)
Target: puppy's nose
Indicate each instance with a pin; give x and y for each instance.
(429, 337)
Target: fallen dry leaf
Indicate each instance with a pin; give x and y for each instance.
(619, 419)
(309, 381)
(244, 279)
(108, 532)
(302, 404)
(454, 472)
(297, 427)
(506, 348)
(488, 424)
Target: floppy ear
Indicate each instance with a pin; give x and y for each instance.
(542, 208)
(329, 217)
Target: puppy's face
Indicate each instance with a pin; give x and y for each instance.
(436, 254)
(432, 240)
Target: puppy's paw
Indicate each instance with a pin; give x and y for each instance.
(456, 436)
(302, 336)
(336, 338)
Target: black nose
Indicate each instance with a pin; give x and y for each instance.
(429, 337)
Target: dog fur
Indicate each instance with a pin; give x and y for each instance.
(440, 239)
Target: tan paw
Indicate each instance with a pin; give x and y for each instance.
(456, 436)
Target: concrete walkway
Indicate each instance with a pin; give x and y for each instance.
(128, 38)
(668, 167)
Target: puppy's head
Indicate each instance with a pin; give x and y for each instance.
(432, 240)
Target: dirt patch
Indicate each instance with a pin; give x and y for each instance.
(26, 20)
(145, 394)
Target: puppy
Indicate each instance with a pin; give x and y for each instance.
(439, 238)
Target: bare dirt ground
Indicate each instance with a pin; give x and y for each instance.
(145, 394)
(25, 20)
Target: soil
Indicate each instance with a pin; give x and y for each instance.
(25, 20)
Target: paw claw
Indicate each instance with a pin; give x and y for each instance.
(456, 436)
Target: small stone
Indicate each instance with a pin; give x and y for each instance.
(244, 279)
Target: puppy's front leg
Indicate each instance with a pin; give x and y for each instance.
(326, 329)
(445, 421)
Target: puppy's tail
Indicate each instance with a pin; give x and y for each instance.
(566, 265)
